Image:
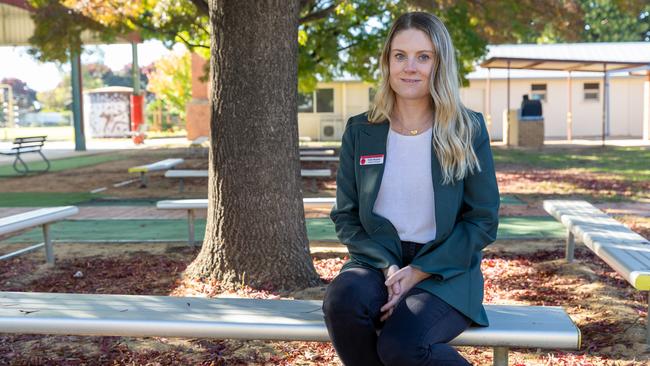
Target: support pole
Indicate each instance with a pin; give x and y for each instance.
(77, 102)
(135, 69)
(500, 356)
(604, 103)
(190, 227)
(488, 102)
(507, 131)
(570, 246)
(569, 114)
(49, 250)
(646, 107)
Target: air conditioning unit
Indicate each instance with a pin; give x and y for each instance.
(331, 129)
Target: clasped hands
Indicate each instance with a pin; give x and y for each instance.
(398, 283)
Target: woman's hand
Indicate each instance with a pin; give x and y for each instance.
(405, 279)
(393, 290)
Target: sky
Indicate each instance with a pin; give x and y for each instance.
(15, 62)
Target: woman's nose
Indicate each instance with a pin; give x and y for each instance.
(410, 65)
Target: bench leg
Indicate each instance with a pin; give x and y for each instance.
(570, 246)
(180, 186)
(49, 250)
(143, 180)
(190, 227)
(500, 356)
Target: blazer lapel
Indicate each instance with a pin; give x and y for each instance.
(444, 197)
(372, 141)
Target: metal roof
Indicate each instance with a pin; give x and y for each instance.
(16, 26)
(594, 57)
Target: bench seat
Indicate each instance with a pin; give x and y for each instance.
(202, 204)
(153, 167)
(625, 251)
(240, 318)
(182, 174)
(41, 217)
(317, 152)
(319, 158)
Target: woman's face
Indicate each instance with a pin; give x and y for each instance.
(411, 64)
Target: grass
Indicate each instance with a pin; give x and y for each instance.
(321, 229)
(626, 162)
(63, 164)
(44, 199)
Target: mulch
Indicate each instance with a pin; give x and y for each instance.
(610, 314)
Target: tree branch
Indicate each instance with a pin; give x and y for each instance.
(201, 6)
(319, 14)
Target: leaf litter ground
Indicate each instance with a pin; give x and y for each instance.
(610, 314)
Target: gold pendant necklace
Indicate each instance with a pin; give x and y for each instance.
(413, 132)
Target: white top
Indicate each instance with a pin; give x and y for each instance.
(406, 196)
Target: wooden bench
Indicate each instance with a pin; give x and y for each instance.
(157, 166)
(239, 318)
(625, 251)
(182, 174)
(202, 204)
(41, 217)
(27, 145)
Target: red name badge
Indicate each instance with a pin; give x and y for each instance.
(371, 159)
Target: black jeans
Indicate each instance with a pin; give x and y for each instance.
(415, 334)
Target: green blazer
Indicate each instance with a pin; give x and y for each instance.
(466, 217)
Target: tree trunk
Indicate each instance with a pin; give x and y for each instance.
(255, 232)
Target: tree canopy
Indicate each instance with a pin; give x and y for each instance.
(339, 38)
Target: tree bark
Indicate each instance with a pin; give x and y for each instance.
(255, 233)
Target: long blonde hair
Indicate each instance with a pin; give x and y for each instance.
(453, 127)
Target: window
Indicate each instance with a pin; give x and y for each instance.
(591, 91)
(305, 102)
(538, 92)
(324, 100)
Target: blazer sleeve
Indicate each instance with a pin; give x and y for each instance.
(477, 223)
(345, 213)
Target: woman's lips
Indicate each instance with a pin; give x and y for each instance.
(410, 80)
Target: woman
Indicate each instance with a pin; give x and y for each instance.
(416, 202)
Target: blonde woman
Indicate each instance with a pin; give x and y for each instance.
(416, 202)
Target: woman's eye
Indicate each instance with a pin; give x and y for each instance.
(399, 56)
(424, 57)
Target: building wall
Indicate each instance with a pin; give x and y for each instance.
(350, 98)
(626, 105)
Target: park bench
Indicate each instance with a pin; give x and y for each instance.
(317, 152)
(157, 166)
(41, 217)
(320, 158)
(259, 319)
(625, 251)
(202, 204)
(315, 174)
(182, 174)
(27, 145)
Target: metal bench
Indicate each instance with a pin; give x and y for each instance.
(182, 174)
(320, 158)
(159, 165)
(315, 174)
(238, 318)
(41, 217)
(326, 152)
(625, 251)
(27, 145)
(202, 204)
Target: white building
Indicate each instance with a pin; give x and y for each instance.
(629, 94)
